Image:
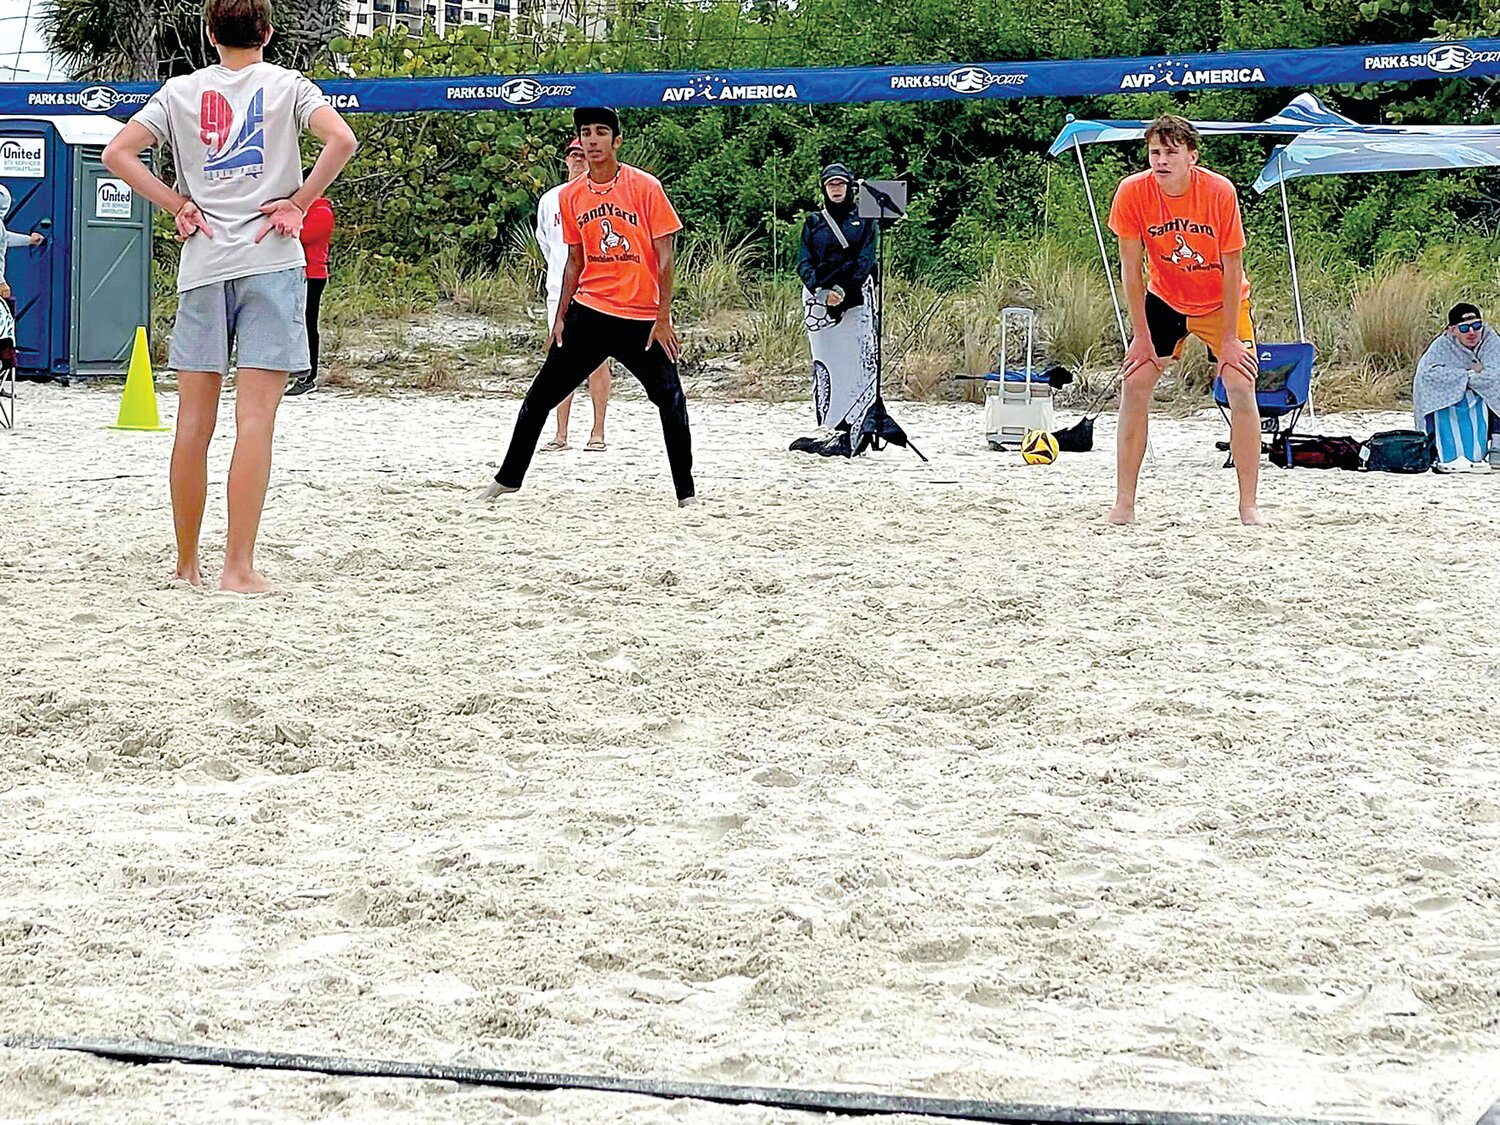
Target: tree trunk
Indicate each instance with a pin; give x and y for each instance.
(139, 40)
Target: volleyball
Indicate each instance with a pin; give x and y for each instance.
(1038, 447)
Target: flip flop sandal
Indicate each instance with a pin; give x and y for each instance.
(554, 447)
(595, 445)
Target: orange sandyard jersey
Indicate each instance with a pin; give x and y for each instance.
(1184, 237)
(616, 227)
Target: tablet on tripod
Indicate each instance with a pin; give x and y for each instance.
(882, 199)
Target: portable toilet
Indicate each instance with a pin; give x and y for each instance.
(80, 295)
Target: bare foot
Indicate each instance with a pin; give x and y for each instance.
(245, 582)
(497, 489)
(1120, 514)
(1251, 517)
(189, 573)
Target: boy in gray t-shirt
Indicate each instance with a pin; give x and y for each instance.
(238, 204)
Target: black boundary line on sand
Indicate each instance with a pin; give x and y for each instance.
(848, 1102)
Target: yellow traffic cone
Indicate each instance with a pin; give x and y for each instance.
(138, 403)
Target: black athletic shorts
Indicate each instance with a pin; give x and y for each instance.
(1169, 328)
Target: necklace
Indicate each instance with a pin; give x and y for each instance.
(607, 188)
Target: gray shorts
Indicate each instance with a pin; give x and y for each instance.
(262, 318)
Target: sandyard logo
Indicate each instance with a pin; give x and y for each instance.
(711, 88)
(1181, 74)
(964, 80)
(518, 91)
(95, 99)
(1450, 58)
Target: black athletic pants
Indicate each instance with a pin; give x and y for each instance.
(315, 287)
(589, 338)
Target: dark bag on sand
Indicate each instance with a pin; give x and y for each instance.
(1310, 452)
(1397, 451)
(836, 445)
(1077, 438)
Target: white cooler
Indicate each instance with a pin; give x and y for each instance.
(1016, 399)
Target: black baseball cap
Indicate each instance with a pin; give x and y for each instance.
(596, 115)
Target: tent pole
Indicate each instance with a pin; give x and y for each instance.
(1291, 251)
(1109, 275)
(1291, 254)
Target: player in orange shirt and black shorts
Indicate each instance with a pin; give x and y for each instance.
(1182, 259)
(616, 301)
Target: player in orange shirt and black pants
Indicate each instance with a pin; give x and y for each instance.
(1182, 223)
(616, 301)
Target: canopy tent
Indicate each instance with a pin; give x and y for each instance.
(1303, 114)
(1381, 148)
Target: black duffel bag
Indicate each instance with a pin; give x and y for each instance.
(1310, 452)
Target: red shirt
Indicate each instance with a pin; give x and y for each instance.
(616, 227)
(317, 229)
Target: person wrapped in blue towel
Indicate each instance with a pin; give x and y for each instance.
(1456, 393)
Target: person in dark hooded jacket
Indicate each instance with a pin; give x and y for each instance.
(836, 266)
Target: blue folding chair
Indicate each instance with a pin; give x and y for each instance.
(1283, 386)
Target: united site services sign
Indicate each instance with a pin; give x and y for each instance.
(23, 158)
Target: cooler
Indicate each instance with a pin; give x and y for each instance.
(1016, 399)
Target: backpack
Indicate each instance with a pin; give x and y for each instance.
(1077, 438)
(1397, 451)
(1310, 452)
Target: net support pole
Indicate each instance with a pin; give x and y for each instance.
(1291, 252)
(1109, 275)
(1291, 256)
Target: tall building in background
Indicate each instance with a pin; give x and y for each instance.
(368, 16)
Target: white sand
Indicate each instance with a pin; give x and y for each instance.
(865, 775)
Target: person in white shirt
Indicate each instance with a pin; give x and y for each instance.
(550, 237)
(237, 204)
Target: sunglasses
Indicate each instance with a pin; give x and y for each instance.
(1471, 326)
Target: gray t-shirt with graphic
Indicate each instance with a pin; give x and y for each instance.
(234, 138)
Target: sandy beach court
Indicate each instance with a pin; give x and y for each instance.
(868, 775)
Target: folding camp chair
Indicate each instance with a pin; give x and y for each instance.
(1283, 387)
